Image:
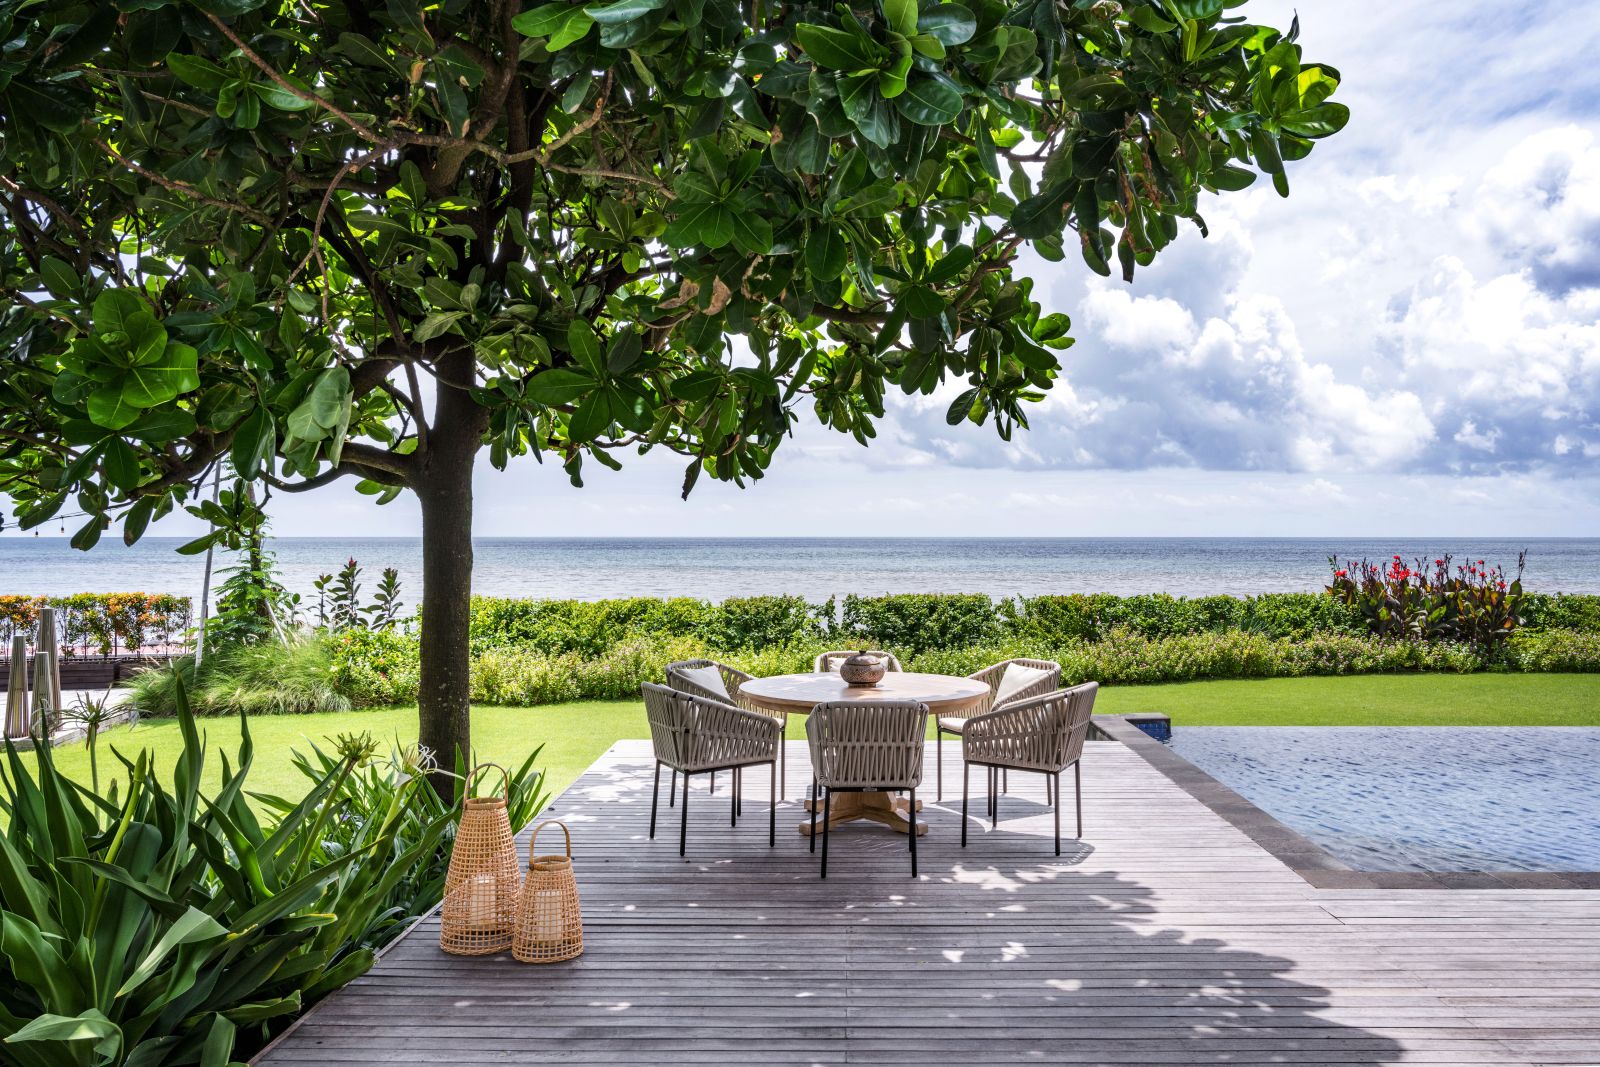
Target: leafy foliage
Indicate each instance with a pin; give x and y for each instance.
(1477, 604)
(155, 926)
(567, 212)
(915, 622)
(100, 623)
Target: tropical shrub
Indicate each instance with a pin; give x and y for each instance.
(585, 627)
(375, 668)
(1572, 651)
(757, 622)
(1476, 604)
(100, 623)
(1561, 611)
(339, 606)
(386, 793)
(916, 622)
(156, 927)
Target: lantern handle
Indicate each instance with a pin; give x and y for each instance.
(533, 849)
(505, 774)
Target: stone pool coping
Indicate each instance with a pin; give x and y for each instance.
(1305, 857)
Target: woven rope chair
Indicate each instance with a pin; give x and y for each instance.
(870, 746)
(992, 677)
(694, 735)
(733, 680)
(828, 662)
(1043, 734)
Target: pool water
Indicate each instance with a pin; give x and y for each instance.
(1419, 798)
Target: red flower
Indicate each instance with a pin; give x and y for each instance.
(1338, 574)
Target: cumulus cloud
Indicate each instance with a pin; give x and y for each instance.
(1484, 358)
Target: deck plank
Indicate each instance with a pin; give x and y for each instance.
(1166, 936)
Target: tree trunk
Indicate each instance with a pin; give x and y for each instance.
(444, 488)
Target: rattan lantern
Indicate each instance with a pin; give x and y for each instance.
(549, 920)
(480, 887)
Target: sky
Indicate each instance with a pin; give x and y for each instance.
(1407, 346)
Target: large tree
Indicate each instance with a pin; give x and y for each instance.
(318, 239)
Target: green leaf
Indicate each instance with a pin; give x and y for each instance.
(1146, 19)
(330, 396)
(189, 928)
(961, 407)
(1320, 121)
(591, 418)
(162, 425)
(122, 465)
(622, 10)
(752, 234)
(625, 350)
(575, 29)
(930, 100)
(585, 346)
(951, 264)
(826, 254)
(276, 96)
(901, 16)
(90, 1026)
(559, 386)
(921, 302)
(949, 24)
(544, 20)
(59, 277)
(254, 441)
(1231, 178)
(839, 49)
(108, 407)
(200, 73)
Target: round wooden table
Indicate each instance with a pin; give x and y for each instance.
(797, 694)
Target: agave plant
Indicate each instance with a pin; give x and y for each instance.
(157, 926)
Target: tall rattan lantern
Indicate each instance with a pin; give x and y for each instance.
(549, 920)
(480, 887)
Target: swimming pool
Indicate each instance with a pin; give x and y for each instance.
(1419, 798)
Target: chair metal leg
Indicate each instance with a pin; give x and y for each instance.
(683, 827)
(1077, 790)
(994, 798)
(913, 834)
(966, 780)
(655, 797)
(1047, 789)
(713, 788)
(813, 815)
(1005, 780)
(938, 762)
(672, 794)
(733, 801)
(1047, 778)
(827, 819)
(772, 811)
(783, 758)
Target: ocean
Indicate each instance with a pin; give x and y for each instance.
(715, 568)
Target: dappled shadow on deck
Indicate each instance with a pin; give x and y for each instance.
(1164, 937)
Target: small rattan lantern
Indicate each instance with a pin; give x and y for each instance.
(549, 919)
(480, 887)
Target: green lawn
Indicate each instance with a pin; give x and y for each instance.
(575, 734)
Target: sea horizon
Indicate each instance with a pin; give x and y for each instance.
(714, 568)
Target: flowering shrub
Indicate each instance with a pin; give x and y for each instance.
(101, 623)
(1473, 603)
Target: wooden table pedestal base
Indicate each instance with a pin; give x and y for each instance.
(892, 811)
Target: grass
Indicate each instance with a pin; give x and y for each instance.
(574, 735)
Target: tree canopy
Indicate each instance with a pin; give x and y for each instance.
(322, 239)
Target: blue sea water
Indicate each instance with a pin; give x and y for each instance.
(1419, 798)
(715, 568)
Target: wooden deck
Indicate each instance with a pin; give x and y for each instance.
(1167, 937)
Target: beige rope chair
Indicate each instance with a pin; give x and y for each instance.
(701, 678)
(828, 662)
(1022, 685)
(694, 735)
(1044, 734)
(870, 746)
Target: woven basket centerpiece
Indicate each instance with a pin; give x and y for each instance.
(480, 887)
(549, 919)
